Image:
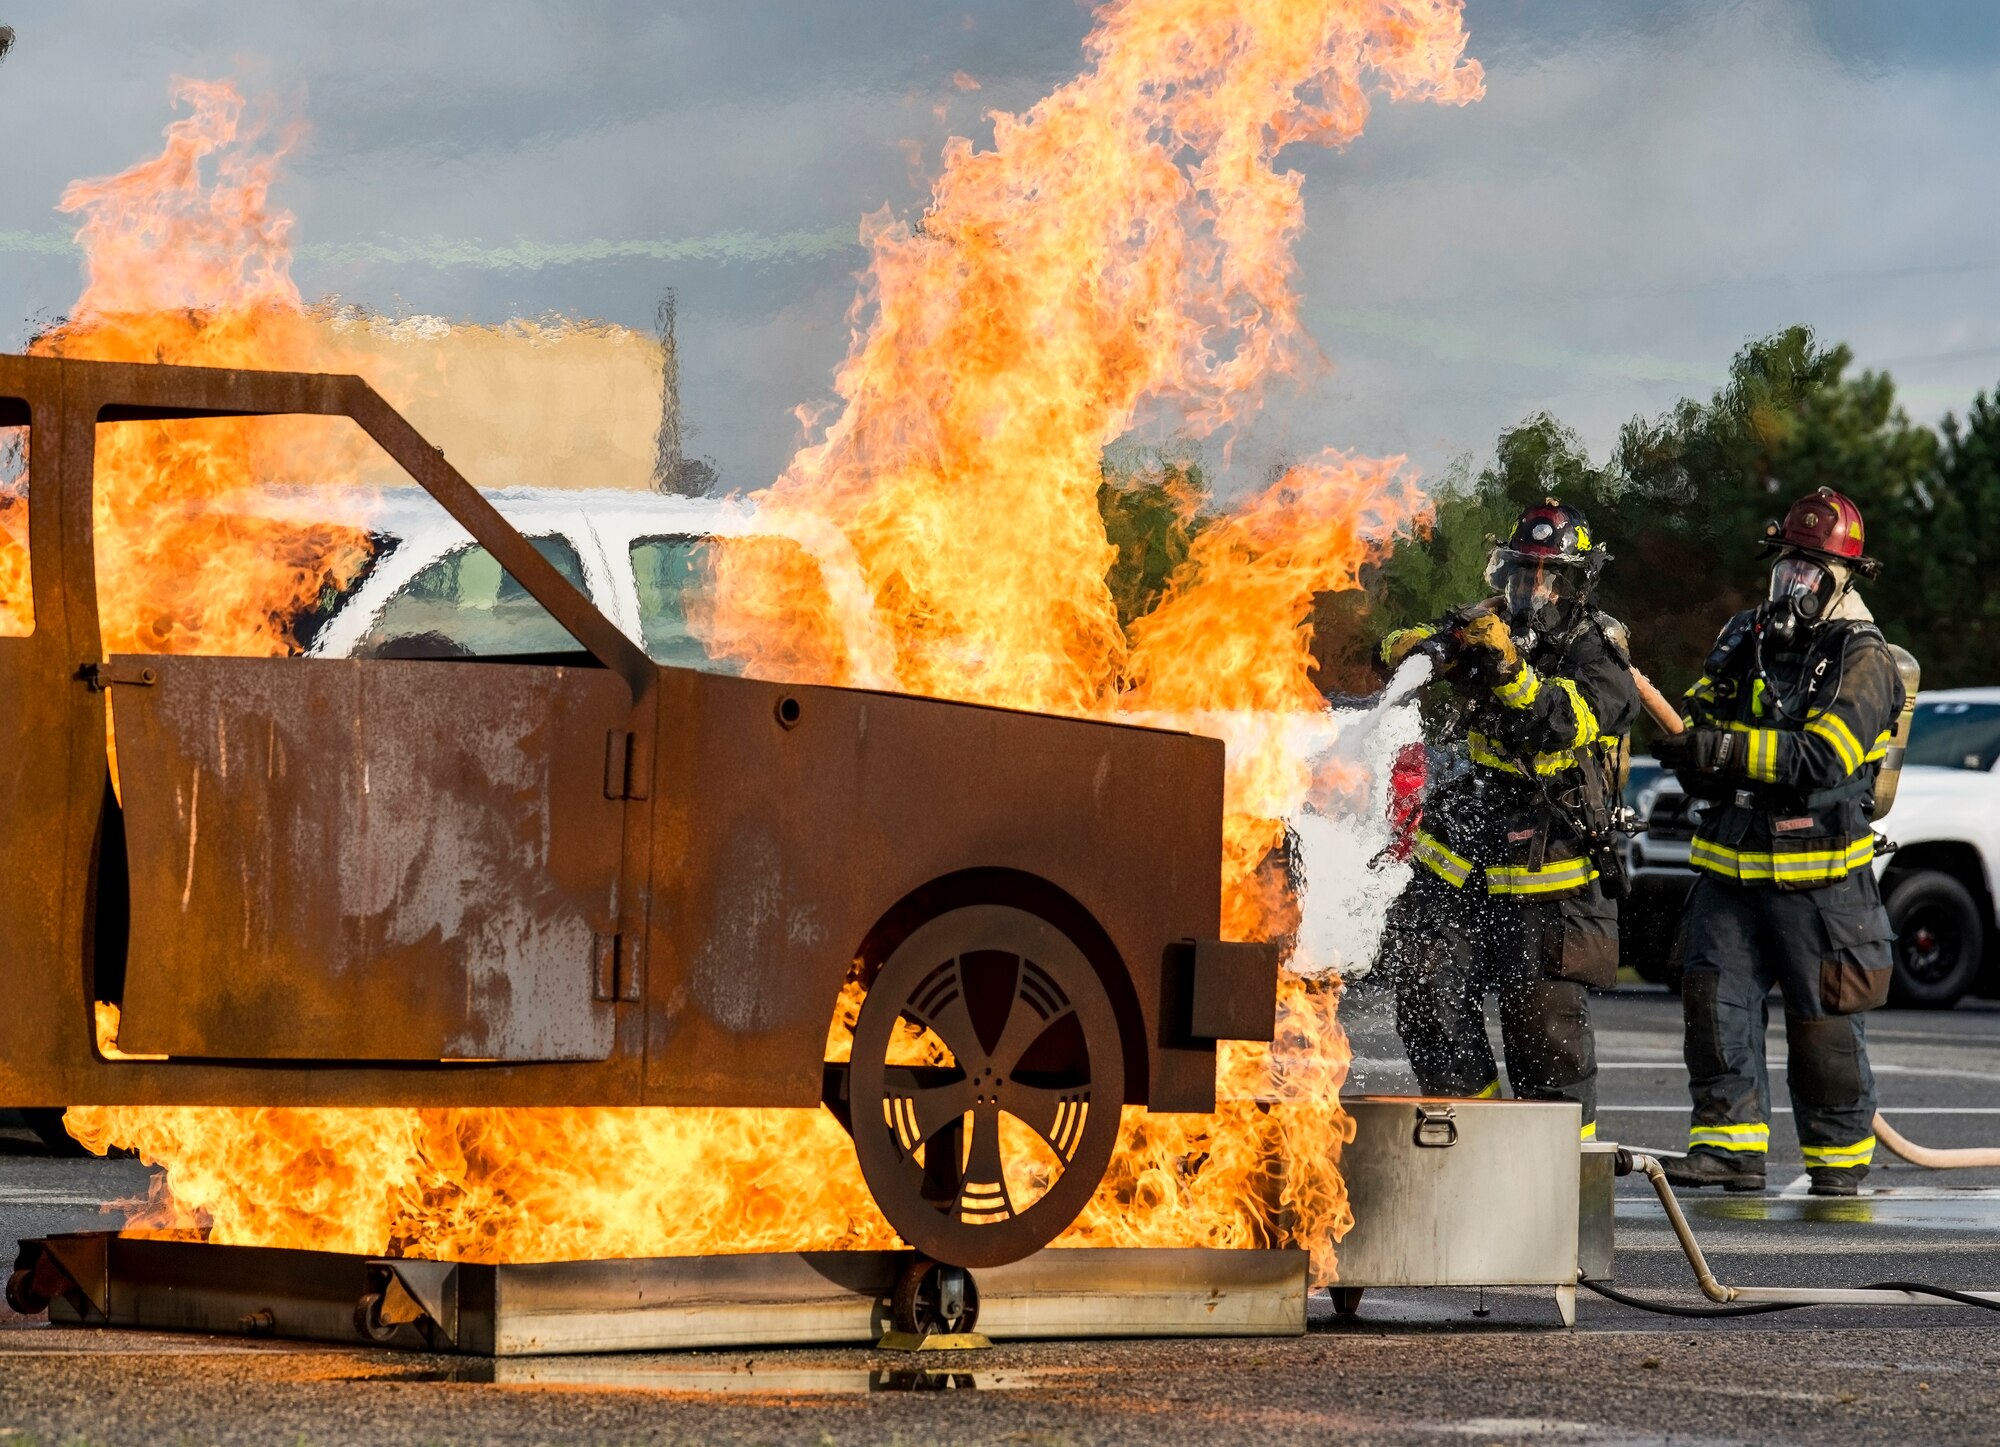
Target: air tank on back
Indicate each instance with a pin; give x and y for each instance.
(1891, 772)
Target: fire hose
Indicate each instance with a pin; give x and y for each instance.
(1758, 1300)
(1941, 1160)
(1657, 707)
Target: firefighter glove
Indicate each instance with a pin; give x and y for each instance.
(1701, 751)
(1490, 642)
(1405, 641)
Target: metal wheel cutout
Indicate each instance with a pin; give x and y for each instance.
(986, 1082)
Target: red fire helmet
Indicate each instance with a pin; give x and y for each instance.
(1826, 525)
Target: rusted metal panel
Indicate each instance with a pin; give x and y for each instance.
(1234, 991)
(756, 860)
(338, 860)
(779, 847)
(37, 926)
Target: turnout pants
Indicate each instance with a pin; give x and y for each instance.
(1447, 948)
(1828, 951)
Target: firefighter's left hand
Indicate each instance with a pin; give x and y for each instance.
(1403, 642)
(1700, 751)
(1490, 643)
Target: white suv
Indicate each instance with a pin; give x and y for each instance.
(1939, 883)
(430, 590)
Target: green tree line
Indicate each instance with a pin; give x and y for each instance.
(1681, 501)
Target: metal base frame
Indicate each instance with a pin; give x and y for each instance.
(661, 1303)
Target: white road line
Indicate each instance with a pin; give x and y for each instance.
(1775, 1063)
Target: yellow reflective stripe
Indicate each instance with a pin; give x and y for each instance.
(1752, 1136)
(1523, 691)
(1835, 731)
(1586, 717)
(1799, 867)
(1881, 749)
(1482, 752)
(1757, 698)
(1452, 868)
(1763, 761)
(1550, 878)
(1861, 1153)
(1760, 760)
(1702, 690)
(1589, 1131)
(1490, 1090)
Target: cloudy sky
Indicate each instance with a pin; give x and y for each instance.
(1647, 184)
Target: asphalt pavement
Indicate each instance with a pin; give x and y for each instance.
(1414, 1366)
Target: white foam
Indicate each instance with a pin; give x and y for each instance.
(1344, 902)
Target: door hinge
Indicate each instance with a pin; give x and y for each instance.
(616, 975)
(99, 676)
(625, 765)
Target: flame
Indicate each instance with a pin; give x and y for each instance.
(1122, 254)
(181, 270)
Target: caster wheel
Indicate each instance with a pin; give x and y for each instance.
(931, 1299)
(22, 1296)
(368, 1319)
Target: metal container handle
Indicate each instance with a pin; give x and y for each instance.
(1437, 1127)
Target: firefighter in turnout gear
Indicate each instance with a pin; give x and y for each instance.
(1516, 871)
(1786, 730)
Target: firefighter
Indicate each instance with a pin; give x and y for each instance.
(1786, 730)
(1516, 850)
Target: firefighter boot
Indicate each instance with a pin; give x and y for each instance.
(1835, 1180)
(1716, 1168)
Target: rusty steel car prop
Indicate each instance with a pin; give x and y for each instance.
(587, 879)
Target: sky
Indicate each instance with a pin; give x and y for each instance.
(1646, 185)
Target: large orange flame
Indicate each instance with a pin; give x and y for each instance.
(184, 270)
(1123, 253)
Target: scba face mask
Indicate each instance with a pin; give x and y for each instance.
(1535, 591)
(1803, 592)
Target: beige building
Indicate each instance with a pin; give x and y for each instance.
(550, 403)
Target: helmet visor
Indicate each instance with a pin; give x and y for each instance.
(1805, 583)
(1528, 584)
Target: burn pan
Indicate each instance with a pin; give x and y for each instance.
(105, 1279)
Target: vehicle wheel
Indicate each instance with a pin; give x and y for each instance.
(1646, 941)
(1940, 940)
(986, 1079)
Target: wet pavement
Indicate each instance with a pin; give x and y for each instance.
(1413, 1367)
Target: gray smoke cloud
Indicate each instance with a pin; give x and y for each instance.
(1647, 184)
